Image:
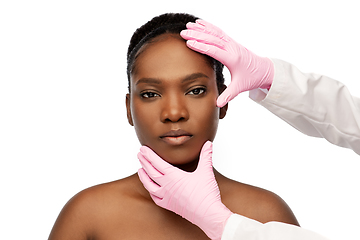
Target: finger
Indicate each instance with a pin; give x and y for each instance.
(195, 26)
(211, 29)
(212, 51)
(205, 27)
(203, 37)
(205, 159)
(158, 201)
(227, 95)
(157, 162)
(150, 170)
(149, 184)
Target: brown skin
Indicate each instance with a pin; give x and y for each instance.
(124, 209)
(175, 88)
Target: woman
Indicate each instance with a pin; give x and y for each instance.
(172, 105)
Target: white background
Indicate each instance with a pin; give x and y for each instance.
(63, 124)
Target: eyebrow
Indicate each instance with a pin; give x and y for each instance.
(194, 76)
(148, 80)
(185, 79)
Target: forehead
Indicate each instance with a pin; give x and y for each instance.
(167, 57)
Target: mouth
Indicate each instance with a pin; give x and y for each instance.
(176, 137)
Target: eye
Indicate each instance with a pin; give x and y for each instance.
(149, 95)
(197, 91)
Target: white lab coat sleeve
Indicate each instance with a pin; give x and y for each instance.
(242, 228)
(314, 104)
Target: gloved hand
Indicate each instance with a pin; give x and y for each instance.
(193, 195)
(248, 71)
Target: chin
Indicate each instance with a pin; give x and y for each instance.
(185, 156)
(181, 157)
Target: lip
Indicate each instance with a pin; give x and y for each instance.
(176, 137)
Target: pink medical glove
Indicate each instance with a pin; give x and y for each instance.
(248, 71)
(193, 195)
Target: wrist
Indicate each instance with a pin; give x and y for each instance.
(214, 222)
(269, 72)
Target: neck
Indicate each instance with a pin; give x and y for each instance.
(188, 167)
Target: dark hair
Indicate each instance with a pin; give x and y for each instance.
(165, 23)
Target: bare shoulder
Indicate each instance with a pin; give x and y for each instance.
(87, 211)
(254, 202)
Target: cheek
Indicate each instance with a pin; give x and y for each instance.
(144, 119)
(207, 120)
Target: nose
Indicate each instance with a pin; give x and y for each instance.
(174, 109)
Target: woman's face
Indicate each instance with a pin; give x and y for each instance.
(172, 103)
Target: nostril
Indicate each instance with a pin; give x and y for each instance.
(181, 119)
(174, 120)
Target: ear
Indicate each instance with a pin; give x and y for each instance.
(128, 110)
(224, 109)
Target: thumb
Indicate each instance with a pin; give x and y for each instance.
(205, 159)
(228, 94)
